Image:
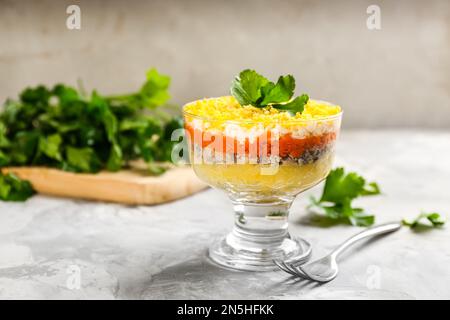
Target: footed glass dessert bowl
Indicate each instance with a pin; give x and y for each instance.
(262, 158)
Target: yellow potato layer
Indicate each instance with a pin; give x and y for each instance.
(286, 179)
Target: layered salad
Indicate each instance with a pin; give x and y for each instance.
(253, 144)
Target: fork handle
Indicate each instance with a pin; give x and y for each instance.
(369, 232)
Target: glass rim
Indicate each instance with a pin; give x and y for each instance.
(277, 121)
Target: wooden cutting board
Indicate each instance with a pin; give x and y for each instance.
(134, 187)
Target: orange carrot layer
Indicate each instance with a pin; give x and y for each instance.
(287, 144)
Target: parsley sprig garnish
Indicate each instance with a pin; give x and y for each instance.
(339, 191)
(251, 88)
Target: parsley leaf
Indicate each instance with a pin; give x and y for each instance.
(246, 88)
(294, 106)
(14, 189)
(50, 146)
(83, 159)
(4, 142)
(115, 160)
(153, 93)
(339, 191)
(282, 91)
(433, 218)
(251, 88)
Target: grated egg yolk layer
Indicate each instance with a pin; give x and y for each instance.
(227, 108)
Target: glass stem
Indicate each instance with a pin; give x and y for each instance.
(259, 226)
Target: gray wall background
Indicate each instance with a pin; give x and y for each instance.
(398, 76)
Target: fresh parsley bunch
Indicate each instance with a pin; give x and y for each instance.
(339, 191)
(251, 88)
(62, 128)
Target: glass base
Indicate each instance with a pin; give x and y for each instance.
(229, 253)
(259, 236)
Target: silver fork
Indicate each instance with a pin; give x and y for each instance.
(326, 268)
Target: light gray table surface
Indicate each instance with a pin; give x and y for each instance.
(54, 248)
